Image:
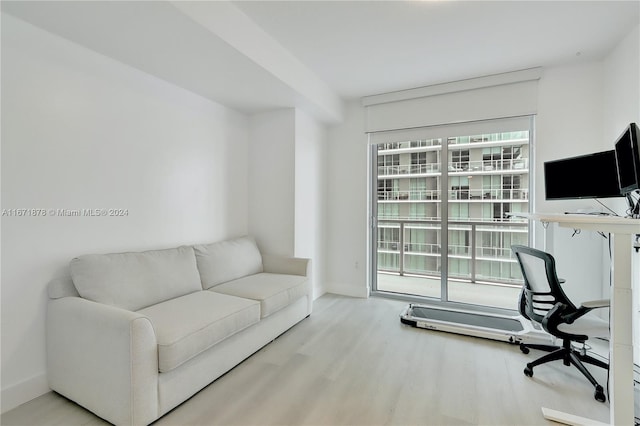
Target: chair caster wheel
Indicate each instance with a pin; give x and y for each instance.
(599, 394)
(528, 371)
(524, 349)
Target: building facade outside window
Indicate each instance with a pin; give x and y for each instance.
(487, 177)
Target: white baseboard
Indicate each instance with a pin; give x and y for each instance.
(318, 292)
(13, 396)
(350, 290)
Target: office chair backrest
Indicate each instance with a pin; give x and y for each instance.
(541, 290)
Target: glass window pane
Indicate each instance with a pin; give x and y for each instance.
(487, 177)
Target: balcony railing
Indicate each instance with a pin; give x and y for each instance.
(521, 138)
(423, 143)
(415, 195)
(456, 194)
(408, 169)
(500, 268)
(489, 194)
(520, 164)
(454, 167)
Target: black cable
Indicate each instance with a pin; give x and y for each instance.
(609, 369)
(631, 203)
(610, 268)
(610, 286)
(634, 205)
(597, 355)
(609, 325)
(603, 205)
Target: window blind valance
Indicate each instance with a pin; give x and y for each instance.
(512, 124)
(501, 95)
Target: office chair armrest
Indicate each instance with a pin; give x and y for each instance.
(556, 316)
(593, 304)
(584, 308)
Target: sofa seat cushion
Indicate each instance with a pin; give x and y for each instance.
(188, 325)
(273, 291)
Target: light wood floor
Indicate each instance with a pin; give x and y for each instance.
(353, 363)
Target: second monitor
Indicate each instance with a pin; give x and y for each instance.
(585, 176)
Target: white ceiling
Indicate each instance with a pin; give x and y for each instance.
(155, 37)
(306, 53)
(363, 48)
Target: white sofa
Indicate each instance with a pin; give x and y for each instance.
(132, 335)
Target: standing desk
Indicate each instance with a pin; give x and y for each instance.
(621, 404)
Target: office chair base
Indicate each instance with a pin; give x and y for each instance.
(525, 347)
(570, 356)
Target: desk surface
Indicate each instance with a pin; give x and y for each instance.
(613, 224)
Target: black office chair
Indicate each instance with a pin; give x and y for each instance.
(543, 301)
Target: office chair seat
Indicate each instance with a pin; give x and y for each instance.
(589, 325)
(544, 302)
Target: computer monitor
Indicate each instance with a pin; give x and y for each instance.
(586, 176)
(628, 159)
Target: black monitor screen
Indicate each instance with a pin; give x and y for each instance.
(628, 158)
(586, 176)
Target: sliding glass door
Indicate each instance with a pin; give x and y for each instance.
(409, 175)
(442, 199)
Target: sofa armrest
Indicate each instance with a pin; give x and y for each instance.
(291, 266)
(104, 358)
(286, 265)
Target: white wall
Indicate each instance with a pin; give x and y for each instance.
(621, 103)
(347, 205)
(622, 106)
(286, 187)
(272, 180)
(569, 123)
(310, 196)
(82, 131)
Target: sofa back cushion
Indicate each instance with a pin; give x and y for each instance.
(136, 280)
(227, 260)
